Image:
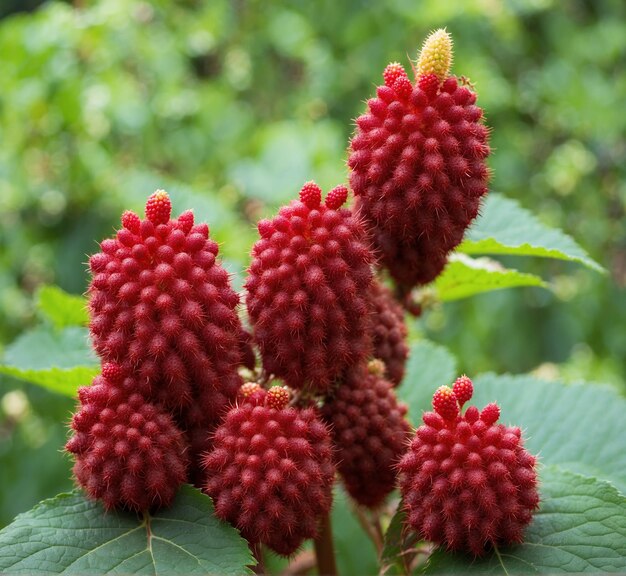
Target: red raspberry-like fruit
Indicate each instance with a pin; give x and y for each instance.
(418, 171)
(370, 434)
(162, 305)
(445, 403)
(468, 483)
(159, 208)
(271, 474)
(389, 331)
(128, 452)
(307, 290)
(463, 390)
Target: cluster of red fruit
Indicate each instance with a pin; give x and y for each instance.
(171, 405)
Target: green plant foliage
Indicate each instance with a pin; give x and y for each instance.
(429, 366)
(61, 308)
(464, 277)
(72, 535)
(60, 360)
(504, 227)
(580, 528)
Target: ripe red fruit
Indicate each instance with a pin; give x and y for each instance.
(418, 169)
(463, 390)
(162, 305)
(445, 403)
(370, 434)
(128, 452)
(389, 331)
(307, 290)
(468, 483)
(270, 472)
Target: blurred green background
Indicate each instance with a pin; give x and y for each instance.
(232, 105)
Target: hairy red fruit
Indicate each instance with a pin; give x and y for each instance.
(389, 331)
(463, 390)
(271, 474)
(158, 207)
(277, 397)
(162, 305)
(307, 290)
(370, 433)
(128, 452)
(445, 403)
(469, 483)
(418, 170)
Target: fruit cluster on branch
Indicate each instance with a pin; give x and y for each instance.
(185, 396)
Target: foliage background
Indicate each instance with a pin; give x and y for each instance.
(232, 105)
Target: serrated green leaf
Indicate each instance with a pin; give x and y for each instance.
(72, 535)
(580, 527)
(61, 308)
(581, 428)
(59, 360)
(464, 277)
(399, 546)
(429, 366)
(504, 227)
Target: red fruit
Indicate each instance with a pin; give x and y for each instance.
(468, 483)
(307, 290)
(389, 331)
(128, 452)
(445, 403)
(270, 473)
(463, 390)
(370, 434)
(418, 169)
(158, 207)
(161, 305)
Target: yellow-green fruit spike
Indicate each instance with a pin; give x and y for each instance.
(436, 55)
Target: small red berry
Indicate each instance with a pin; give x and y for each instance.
(463, 390)
(277, 397)
(490, 414)
(159, 207)
(445, 403)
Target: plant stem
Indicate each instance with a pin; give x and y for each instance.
(324, 551)
(257, 550)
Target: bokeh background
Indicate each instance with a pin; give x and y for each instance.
(232, 105)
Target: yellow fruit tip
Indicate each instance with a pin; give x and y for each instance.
(436, 54)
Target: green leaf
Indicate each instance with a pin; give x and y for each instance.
(399, 546)
(61, 308)
(464, 276)
(72, 535)
(60, 360)
(580, 527)
(64, 381)
(355, 552)
(429, 366)
(504, 227)
(581, 428)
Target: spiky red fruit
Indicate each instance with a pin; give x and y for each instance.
(128, 452)
(389, 331)
(468, 483)
(463, 390)
(162, 305)
(270, 473)
(307, 290)
(445, 403)
(370, 434)
(418, 171)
